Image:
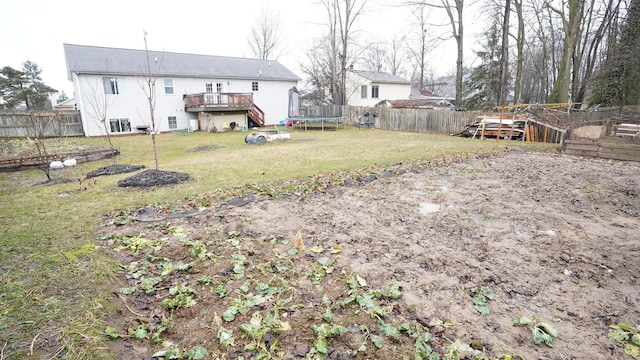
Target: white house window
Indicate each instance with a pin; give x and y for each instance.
(219, 87)
(254, 86)
(374, 91)
(363, 91)
(113, 85)
(120, 125)
(173, 122)
(168, 86)
(208, 88)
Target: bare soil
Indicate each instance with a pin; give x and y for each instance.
(553, 236)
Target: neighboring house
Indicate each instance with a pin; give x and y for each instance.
(367, 88)
(66, 105)
(210, 93)
(420, 99)
(417, 104)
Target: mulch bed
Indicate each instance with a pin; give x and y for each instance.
(114, 170)
(152, 177)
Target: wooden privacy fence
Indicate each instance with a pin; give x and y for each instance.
(413, 120)
(41, 124)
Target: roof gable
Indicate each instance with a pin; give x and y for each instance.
(380, 77)
(102, 60)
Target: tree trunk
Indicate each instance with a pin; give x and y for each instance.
(571, 27)
(503, 88)
(458, 35)
(520, 52)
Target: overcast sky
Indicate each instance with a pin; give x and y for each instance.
(36, 29)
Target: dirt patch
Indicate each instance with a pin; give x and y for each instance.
(114, 170)
(551, 236)
(153, 177)
(205, 148)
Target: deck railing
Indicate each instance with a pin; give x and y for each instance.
(218, 99)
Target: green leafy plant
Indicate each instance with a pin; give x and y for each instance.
(181, 297)
(628, 336)
(323, 332)
(239, 261)
(149, 284)
(221, 291)
(234, 238)
(391, 291)
(320, 269)
(196, 353)
(205, 280)
(225, 336)
(242, 305)
(459, 350)
(481, 296)
(139, 332)
(159, 329)
(422, 349)
(256, 329)
(112, 333)
(128, 290)
(542, 332)
(173, 353)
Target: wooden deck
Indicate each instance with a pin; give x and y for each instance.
(225, 102)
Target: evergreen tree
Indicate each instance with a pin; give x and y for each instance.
(483, 81)
(24, 87)
(619, 81)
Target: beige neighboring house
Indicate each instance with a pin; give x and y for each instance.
(197, 92)
(368, 88)
(66, 105)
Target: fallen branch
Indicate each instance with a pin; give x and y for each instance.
(125, 304)
(32, 344)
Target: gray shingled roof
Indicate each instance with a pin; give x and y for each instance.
(102, 60)
(380, 77)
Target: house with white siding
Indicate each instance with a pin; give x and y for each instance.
(196, 92)
(367, 88)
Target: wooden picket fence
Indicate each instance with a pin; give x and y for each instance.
(41, 124)
(412, 120)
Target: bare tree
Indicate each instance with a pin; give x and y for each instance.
(320, 69)
(98, 106)
(149, 89)
(375, 58)
(342, 17)
(571, 14)
(503, 85)
(597, 24)
(396, 57)
(520, 39)
(266, 35)
(387, 56)
(420, 44)
(454, 13)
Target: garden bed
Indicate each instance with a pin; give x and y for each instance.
(410, 261)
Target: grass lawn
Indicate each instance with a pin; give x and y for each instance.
(54, 282)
